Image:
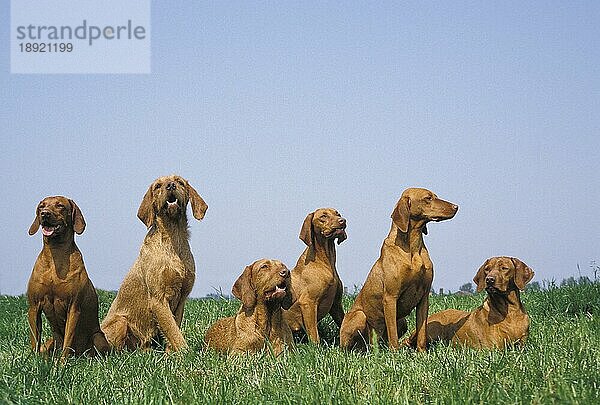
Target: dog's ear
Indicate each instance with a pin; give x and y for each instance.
(523, 274)
(307, 232)
(479, 278)
(199, 207)
(242, 289)
(36, 223)
(289, 294)
(424, 229)
(342, 237)
(146, 210)
(77, 218)
(401, 214)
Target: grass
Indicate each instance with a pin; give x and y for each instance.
(560, 364)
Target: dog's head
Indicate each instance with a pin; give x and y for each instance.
(502, 274)
(266, 281)
(421, 206)
(168, 197)
(59, 217)
(325, 222)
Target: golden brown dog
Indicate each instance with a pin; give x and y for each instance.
(153, 294)
(263, 288)
(400, 279)
(317, 288)
(59, 285)
(499, 322)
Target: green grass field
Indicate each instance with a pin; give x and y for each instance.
(561, 364)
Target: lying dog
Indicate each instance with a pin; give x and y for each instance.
(263, 288)
(153, 294)
(400, 279)
(317, 286)
(499, 322)
(59, 285)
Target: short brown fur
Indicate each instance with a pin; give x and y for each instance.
(263, 288)
(500, 321)
(317, 288)
(153, 294)
(400, 279)
(59, 285)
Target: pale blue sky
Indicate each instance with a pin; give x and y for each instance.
(272, 110)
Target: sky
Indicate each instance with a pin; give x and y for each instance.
(274, 109)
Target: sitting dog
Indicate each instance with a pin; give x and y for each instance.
(400, 279)
(499, 322)
(263, 288)
(317, 288)
(153, 294)
(59, 285)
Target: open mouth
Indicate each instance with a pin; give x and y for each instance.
(277, 293)
(50, 230)
(171, 200)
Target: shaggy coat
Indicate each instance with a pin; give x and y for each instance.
(153, 294)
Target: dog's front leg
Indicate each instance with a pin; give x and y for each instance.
(34, 315)
(389, 313)
(168, 326)
(309, 318)
(71, 324)
(421, 332)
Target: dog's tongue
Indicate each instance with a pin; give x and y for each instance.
(47, 230)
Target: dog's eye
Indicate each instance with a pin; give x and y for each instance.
(61, 206)
(428, 198)
(504, 268)
(157, 186)
(181, 182)
(323, 217)
(264, 267)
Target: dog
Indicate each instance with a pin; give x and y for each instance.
(153, 294)
(501, 320)
(400, 279)
(264, 289)
(317, 288)
(59, 285)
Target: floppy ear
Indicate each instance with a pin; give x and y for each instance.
(401, 214)
(242, 289)
(199, 207)
(35, 225)
(342, 237)
(287, 300)
(523, 274)
(146, 210)
(307, 232)
(479, 278)
(424, 229)
(77, 218)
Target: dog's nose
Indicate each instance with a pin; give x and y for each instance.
(342, 221)
(490, 280)
(44, 214)
(284, 273)
(171, 186)
(455, 207)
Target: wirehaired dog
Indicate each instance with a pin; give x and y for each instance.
(500, 321)
(317, 288)
(153, 294)
(263, 288)
(59, 285)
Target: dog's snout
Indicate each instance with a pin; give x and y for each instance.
(284, 273)
(490, 280)
(455, 207)
(171, 186)
(44, 213)
(342, 221)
